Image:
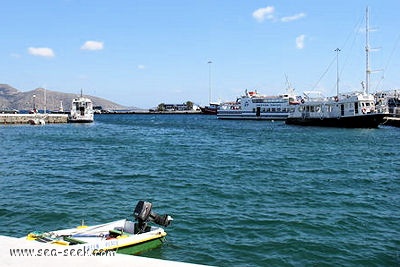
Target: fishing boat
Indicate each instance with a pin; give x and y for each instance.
(352, 110)
(210, 109)
(81, 110)
(254, 106)
(122, 236)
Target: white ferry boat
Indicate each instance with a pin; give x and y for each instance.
(81, 110)
(254, 106)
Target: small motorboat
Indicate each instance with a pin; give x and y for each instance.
(122, 236)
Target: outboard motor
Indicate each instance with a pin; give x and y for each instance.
(144, 214)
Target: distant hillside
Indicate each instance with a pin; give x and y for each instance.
(11, 98)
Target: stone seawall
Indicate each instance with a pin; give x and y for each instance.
(28, 118)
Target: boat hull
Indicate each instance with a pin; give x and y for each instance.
(208, 110)
(241, 115)
(392, 121)
(363, 121)
(80, 120)
(139, 248)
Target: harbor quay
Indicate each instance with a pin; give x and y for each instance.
(32, 118)
(20, 252)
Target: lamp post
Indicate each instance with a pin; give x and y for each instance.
(209, 81)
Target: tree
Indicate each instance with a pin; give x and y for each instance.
(189, 105)
(161, 107)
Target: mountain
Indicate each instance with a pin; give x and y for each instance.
(11, 98)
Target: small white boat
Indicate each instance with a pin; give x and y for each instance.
(81, 110)
(37, 121)
(254, 106)
(122, 236)
(37, 118)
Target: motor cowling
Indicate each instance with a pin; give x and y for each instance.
(143, 214)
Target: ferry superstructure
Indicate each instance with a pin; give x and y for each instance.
(254, 106)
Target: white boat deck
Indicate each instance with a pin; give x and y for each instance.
(9, 245)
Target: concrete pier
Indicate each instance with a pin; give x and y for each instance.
(29, 118)
(43, 255)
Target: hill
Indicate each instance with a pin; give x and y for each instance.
(11, 98)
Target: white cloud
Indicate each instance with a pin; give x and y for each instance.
(14, 55)
(264, 13)
(141, 67)
(268, 12)
(294, 17)
(92, 45)
(300, 41)
(41, 51)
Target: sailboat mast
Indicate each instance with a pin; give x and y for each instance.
(209, 81)
(337, 50)
(367, 70)
(45, 100)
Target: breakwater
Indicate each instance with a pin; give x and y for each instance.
(152, 112)
(31, 118)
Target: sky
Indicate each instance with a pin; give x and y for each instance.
(141, 53)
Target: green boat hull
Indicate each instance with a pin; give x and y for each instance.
(141, 247)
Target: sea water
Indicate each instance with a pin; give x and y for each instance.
(242, 193)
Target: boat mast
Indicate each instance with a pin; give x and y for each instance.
(337, 50)
(209, 81)
(45, 100)
(367, 70)
(289, 88)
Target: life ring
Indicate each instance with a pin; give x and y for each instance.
(302, 101)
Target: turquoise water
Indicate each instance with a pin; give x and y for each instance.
(242, 193)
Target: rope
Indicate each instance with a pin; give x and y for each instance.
(327, 69)
(389, 60)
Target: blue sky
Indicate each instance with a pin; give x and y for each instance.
(145, 52)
